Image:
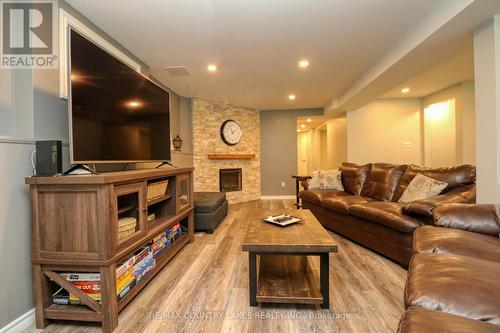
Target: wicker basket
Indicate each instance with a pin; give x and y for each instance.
(157, 189)
(126, 227)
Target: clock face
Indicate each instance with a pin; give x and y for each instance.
(230, 132)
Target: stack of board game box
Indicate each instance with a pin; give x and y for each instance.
(165, 239)
(128, 273)
(90, 283)
(144, 263)
(125, 278)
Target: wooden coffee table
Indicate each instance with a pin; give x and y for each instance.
(279, 271)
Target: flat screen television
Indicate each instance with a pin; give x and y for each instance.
(116, 114)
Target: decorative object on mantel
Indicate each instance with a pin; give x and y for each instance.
(230, 132)
(231, 156)
(177, 141)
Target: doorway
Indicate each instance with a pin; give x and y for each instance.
(302, 152)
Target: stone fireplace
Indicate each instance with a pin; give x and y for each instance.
(230, 180)
(207, 118)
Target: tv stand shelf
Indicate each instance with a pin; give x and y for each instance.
(75, 229)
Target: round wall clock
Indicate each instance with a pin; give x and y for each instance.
(230, 132)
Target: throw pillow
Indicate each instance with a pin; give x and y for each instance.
(314, 182)
(326, 180)
(331, 180)
(422, 187)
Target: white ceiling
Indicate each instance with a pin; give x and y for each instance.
(257, 44)
(442, 35)
(358, 49)
(457, 69)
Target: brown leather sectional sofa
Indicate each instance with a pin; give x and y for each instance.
(454, 275)
(368, 213)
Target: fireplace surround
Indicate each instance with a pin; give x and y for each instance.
(207, 118)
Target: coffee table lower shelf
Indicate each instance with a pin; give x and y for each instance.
(287, 279)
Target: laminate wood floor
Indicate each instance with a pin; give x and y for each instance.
(205, 289)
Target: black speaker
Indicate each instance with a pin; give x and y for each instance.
(48, 158)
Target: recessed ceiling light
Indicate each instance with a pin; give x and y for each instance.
(303, 63)
(303, 126)
(405, 90)
(309, 120)
(291, 97)
(212, 68)
(298, 131)
(134, 104)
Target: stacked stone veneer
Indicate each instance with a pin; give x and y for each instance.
(207, 117)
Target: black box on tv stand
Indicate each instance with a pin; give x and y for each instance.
(48, 161)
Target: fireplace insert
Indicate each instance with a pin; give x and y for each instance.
(230, 180)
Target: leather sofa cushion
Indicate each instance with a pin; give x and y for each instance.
(455, 176)
(429, 239)
(425, 207)
(342, 204)
(389, 214)
(354, 176)
(458, 285)
(316, 196)
(382, 180)
(481, 218)
(419, 320)
(207, 202)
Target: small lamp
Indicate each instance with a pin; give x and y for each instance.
(177, 143)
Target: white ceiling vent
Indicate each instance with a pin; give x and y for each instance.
(177, 70)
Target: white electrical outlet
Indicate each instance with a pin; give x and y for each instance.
(282, 184)
(407, 144)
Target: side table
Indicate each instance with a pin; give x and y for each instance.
(298, 179)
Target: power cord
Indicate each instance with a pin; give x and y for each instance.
(33, 167)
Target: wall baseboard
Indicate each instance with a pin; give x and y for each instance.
(21, 323)
(277, 197)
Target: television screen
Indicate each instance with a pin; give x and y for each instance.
(116, 114)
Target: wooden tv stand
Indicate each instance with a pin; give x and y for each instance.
(75, 229)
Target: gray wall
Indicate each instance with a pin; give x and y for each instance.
(30, 109)
(278, 149)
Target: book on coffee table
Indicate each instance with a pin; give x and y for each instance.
(282, 219)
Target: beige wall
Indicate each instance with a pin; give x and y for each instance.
(469, 123)
(440, 134)
(385, 131)
(487, 82)
(207, 117)
(463, 93)
(323, 139)
(336, 142)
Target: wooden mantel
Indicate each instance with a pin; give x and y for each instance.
(231, 156)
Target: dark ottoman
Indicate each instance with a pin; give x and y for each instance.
(209, 209)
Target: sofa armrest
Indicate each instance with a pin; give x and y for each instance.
(483, 219)
(425, 207)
